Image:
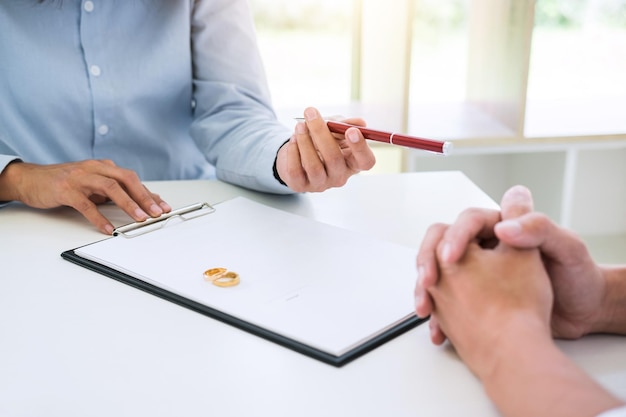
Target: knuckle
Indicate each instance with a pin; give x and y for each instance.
(339, 181)
(436, 228)
(83, 205)
(110, 186)
(370, 163)
(335, 159)
(88, 165)
(540, 223)
(129, 176)
(473, 212)
(316, 174)
(295, 178)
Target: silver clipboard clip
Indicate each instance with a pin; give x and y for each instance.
(184, 213)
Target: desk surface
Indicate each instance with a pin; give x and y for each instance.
(75, 343)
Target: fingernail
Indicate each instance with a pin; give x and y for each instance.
(165, 206)
(510, 227)
(310, 114)
(433, 329)
(140, 214)
(155, 210)
(421, 271)
(446, 252)
(353, 135)
(108, 229)
(520, 191)
(419, 297)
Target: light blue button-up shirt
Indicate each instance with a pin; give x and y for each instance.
(172, 89)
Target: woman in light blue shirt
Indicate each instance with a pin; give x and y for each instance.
(97, 96)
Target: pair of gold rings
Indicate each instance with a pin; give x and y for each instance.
(222, 277)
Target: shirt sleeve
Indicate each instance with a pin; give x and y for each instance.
(616, 412)
(4, 161)
(234, 124)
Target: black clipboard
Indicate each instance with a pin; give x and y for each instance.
(190, 212)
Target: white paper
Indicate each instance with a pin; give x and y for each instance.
(324, 286)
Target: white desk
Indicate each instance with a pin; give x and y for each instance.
(76, 343)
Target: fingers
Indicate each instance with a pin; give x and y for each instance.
(351, 155)
(427, 270)
(437, 336)
(473, 224)
(362, 157)
(337, 167)
(89, 210)
(316, 159)
(448, 244)
(83, 185)
(536, 230)
(479, 224)
(516, 201)
(427, 276)
(124, 188)
(528, 231)
(356, 121)
(162, 203)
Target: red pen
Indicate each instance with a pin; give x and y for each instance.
(432, 145)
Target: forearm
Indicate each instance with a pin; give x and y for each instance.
(613, 315)
(532, 377)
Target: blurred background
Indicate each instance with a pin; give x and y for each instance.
(529, 91)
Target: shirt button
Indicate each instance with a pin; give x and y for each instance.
(95, 70)
(88, 6)
(103, 129)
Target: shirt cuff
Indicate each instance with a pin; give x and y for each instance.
(276, 175)
(5, 160)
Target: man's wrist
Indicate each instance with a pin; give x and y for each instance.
(522, 334)
(612, 317)
(531, 376)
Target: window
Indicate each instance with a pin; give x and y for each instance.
(501, 72)
(307, 51)
(577, 79)
(479, 72)
(514, 83)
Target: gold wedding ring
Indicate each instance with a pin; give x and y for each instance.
(229, 279)
(222, 277)
(214, 273)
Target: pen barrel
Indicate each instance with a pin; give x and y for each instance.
(376, 135)
(371, 134)
(418, 143)
(398, 139)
